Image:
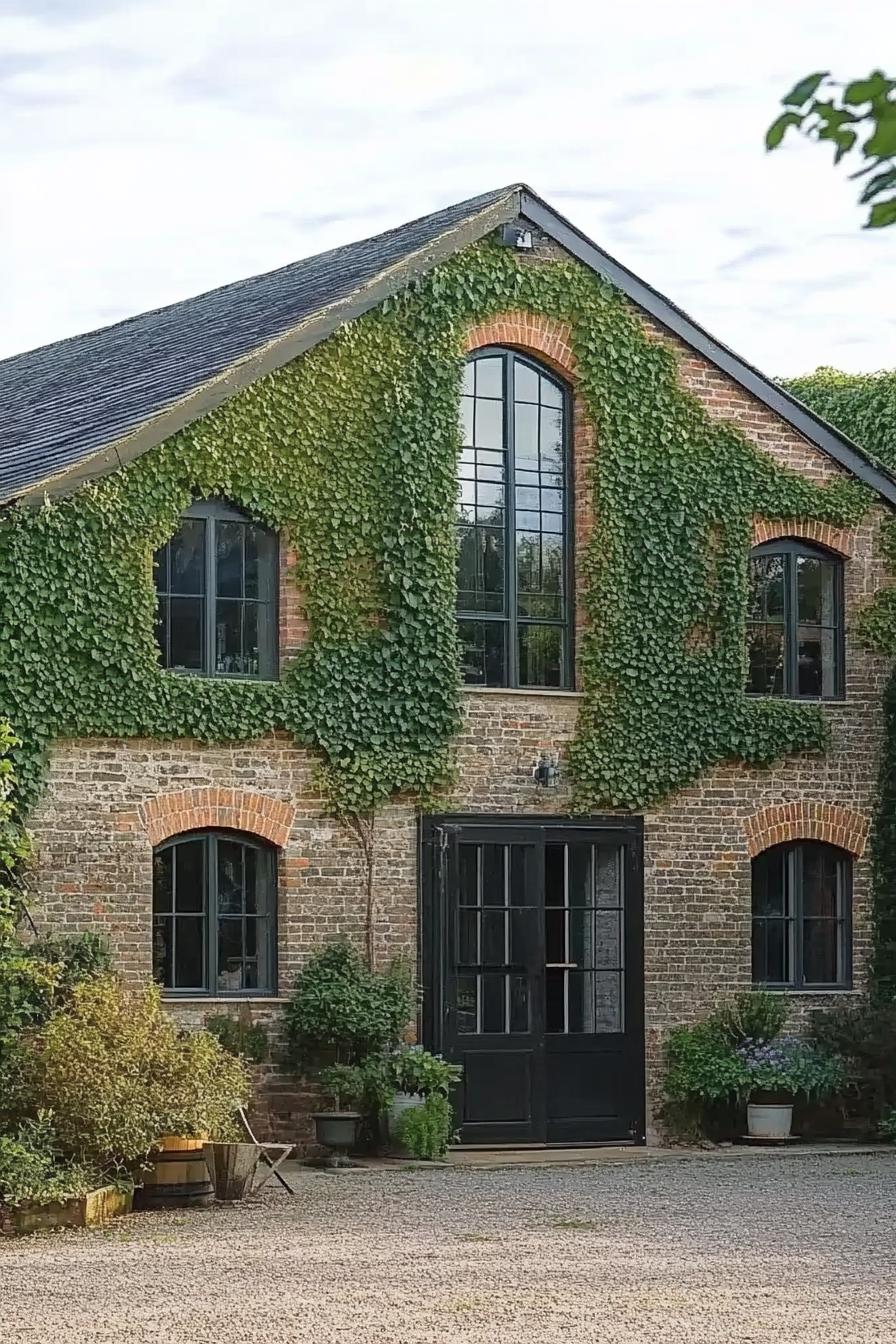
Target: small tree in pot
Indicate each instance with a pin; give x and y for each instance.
(342, 1013)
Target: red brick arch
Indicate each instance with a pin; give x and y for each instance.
(202, 809)
(547, 337)
(839, 539)
(807, 821)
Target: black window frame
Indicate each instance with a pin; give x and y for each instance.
(510, 618)
(791, 549)
(266, 906)
(212, 512)
(793, 854)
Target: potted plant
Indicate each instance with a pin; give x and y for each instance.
(341, 1020)
(337, 1129)
(415, 1075)
(776, 1071)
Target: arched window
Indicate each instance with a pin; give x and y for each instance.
(514, 567)
(795, 621)
(216, 584)
(802, 914)
(214, 901)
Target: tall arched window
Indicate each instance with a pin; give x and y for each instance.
(795, 621)
(214, 902)
(216, 586)
(802, 908)
(514, 567)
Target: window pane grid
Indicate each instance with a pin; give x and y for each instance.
(213, 922)
(795, 623)
(513, 559)
(216, 591)
(801, 924)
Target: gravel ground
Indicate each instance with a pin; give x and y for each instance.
(790, 1250)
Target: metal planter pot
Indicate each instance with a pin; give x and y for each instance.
(337, 1130)
(769, 1121)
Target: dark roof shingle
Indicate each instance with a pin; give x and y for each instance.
(64, 401)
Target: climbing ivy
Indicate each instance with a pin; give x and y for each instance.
(351, 451)
(862, 405)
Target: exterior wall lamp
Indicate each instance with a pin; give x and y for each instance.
(546, 771)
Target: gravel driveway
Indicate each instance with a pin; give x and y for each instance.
(791, 1250)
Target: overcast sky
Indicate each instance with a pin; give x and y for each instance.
(152, 149)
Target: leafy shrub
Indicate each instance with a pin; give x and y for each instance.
(239, 1036)
(426, 1131)
(118, 1075)
(79, 957)
(347, 1084)
(702, 1066)
(36, 977)
(413, 1069)
(754, 1015)
(864, 1037)
(887, 1126)
(340, 1011)
(32, 1172)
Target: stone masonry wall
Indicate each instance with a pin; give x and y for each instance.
(106, 802)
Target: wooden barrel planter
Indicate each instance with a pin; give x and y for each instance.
(177, 1178)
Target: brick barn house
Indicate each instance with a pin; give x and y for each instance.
(555, 942)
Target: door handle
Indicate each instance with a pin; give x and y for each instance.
(561, 965)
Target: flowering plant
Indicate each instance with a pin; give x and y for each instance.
(786, 1065)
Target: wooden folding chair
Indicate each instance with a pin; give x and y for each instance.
(268, 1154)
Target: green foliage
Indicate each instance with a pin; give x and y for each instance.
(827, 110)
(32, 1170)
(118, 1075)
(887, 1126)
(737, 1053)
(353, 448)
(239, 1036)
(862, 405)
(864, 1037)
(426, 1131)
(413, 1069)
(753, 1015)
(702, 1066)
(37, 977)
(342, 1012)
(347, 1084)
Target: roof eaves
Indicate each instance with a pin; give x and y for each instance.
(831, 442)
(271, 356)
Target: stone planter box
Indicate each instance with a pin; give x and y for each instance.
(92, 1209)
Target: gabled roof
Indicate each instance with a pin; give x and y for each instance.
(79, 408)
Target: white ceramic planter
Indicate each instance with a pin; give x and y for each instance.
(769, 1122)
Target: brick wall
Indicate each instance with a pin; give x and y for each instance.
(106, 801)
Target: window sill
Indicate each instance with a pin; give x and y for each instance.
(522, 690)
(194, 1000)
(840, 991)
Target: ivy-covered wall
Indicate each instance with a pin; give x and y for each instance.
(351, 450)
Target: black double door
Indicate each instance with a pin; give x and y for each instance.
(533, 977)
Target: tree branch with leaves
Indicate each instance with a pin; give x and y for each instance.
(859, 119)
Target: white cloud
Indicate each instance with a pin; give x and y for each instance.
(150, 151)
